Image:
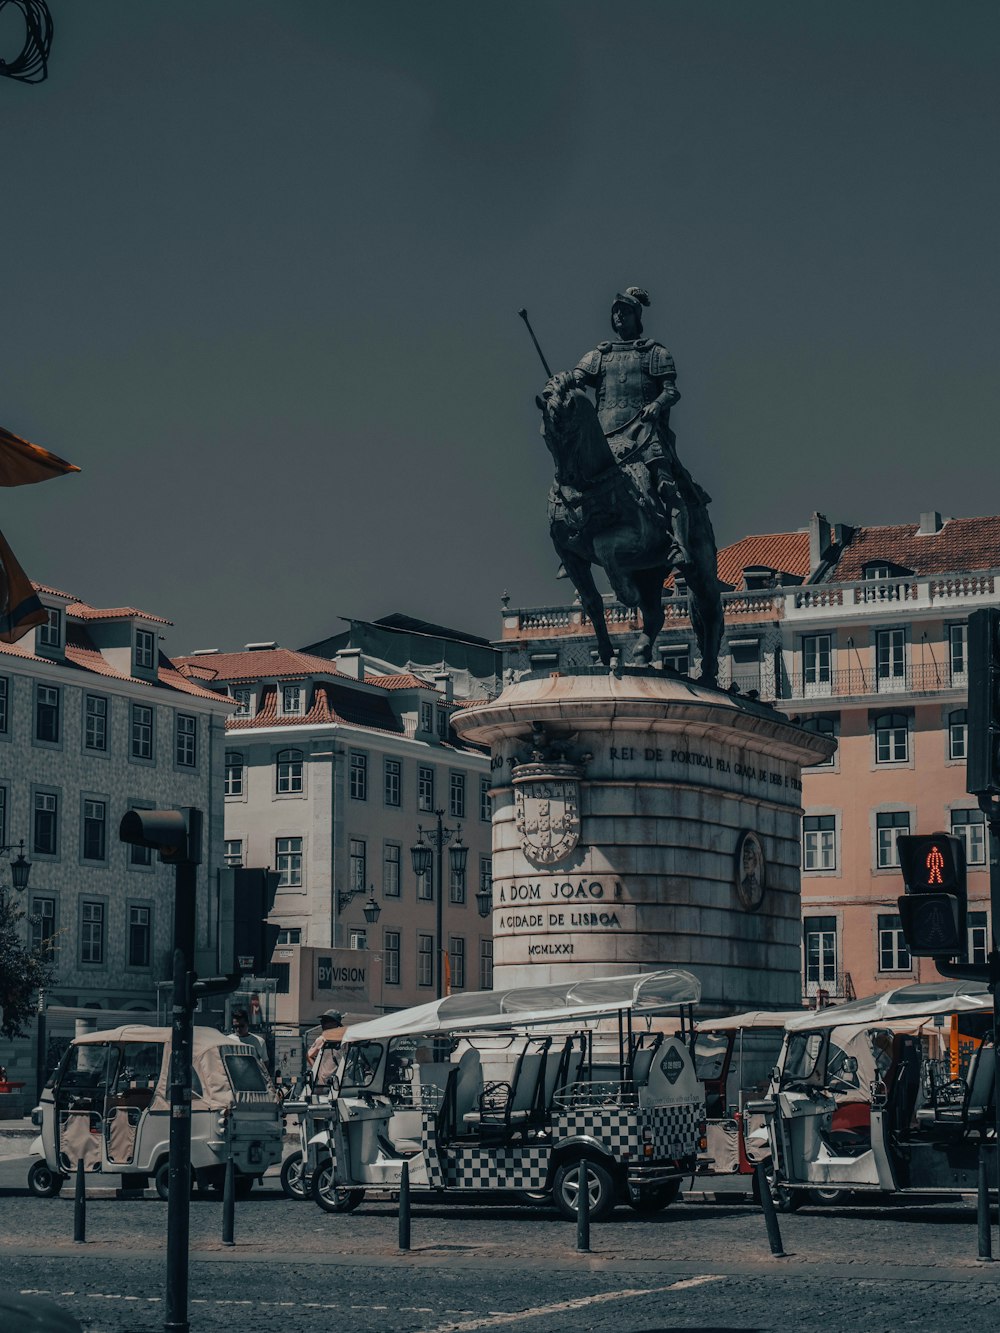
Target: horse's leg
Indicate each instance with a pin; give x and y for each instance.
(701, 573)
(649, 583)
(579, 571)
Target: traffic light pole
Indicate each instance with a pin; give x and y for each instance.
(182, 1042)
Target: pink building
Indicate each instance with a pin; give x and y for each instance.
(859, 633)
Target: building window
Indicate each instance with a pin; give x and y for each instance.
(392, 782)
(289, 772)
(425, 789)
(234, 852)
(46, 713)
(456, 795)
(291, 699)
(44, 833)
(91, 932)
(442, 721)
(893, 955)
(291, 935)
(359, 862)
(970, 826)
(95, 831)
(390, 957)
(888, 826)
(892, 738)
(819, 842)
(822, 725)
(817, 676)
(43, 924)
(958, 653)
(425, 960)
(142, 732)
(958, 734)
(456, 886)
(187, 740)
(138, 936)
(244, 702)
(140, 856)
(485, 801)
(50, 634)
(288, 862)
(391, 855)
(95, 724)
(145, 646)
(456, 955)
(358, 938)
(875, 570)
(426, 717)
(677, 659)
(485, 964)
(234, 773)
(425, 887)
(4, 695)
(485, 874)
(746, 663)
(819, 934)
(979, 942)
(890, 659)
(3, 816)
(359, 775)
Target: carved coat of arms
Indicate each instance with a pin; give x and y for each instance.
(547, 809)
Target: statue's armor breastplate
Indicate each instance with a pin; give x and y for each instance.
(625, 385)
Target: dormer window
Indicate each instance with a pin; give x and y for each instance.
(244, 701)
(144, 651)
(875, 571)
(292, 700)
(50, 635)
(758, 577)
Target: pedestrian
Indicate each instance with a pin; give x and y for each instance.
(322, 1054)
(241, 1029)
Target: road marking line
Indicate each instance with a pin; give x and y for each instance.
(496, 1318)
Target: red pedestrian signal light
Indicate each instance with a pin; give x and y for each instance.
(933, 909)
(932, 862)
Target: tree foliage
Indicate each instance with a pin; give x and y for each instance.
(23, 970)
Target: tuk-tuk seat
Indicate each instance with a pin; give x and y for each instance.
(519, 1104)
(976, 1104)
(564, 1071)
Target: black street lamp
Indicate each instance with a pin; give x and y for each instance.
(484, 901)
(19, 869)
(371, 909)
(424, 856)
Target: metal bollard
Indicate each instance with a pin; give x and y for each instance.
(983, 1210)
(80, 1205)
(770, 1213)
(229, 1204)
(583, 1209)
(404, 1207)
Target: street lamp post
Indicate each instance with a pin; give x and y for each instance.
(428, 856)
(19, 869)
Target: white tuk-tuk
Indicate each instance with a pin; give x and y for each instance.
(108, 1104)
(522, 1091)
(924, 1127)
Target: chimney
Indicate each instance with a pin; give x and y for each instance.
(351, 662)
(819, 540)
(261, 647)
(443, 681)
(930, 523)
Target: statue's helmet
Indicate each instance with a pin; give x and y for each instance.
(633, 297)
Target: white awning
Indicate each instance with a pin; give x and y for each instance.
(920, 1001)
(753, 1018)
(528, 1006)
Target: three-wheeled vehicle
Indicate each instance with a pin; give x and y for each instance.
(528, 1091)
(924, 1128)
(108, 1104)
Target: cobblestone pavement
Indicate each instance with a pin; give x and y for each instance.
(692, 1267)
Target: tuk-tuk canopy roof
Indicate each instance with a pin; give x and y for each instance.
(923, 1000)
(590, 997)
(753, 1018)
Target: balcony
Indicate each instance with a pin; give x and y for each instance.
(861, 682)
(837, 601)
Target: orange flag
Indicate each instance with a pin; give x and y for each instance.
(446, 962)
(22, 463)
(19, 607)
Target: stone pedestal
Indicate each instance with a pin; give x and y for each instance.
(640, 821)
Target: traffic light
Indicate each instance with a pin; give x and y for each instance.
(246, 898)
(175, 834)
(982, 765)
(933, 909)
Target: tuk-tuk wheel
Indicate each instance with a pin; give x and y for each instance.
(43, 1182)
(826, 1198)
(656, 1197)
(162, 1181)
(293, 1176)
(600, 1185)
(332, 1198)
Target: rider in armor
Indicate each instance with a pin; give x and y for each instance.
(634, 383)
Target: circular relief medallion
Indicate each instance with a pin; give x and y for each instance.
(750, 870)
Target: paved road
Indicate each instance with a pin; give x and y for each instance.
(473, 1268)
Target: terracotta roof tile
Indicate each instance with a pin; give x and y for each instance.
(56, 592)
(332, 703)
(785, 551)
(263, 664)
(962, 544)
(404, 680)
(84, 612)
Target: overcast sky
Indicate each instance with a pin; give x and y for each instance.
(262, 261)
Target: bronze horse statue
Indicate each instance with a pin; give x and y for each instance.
(599, 515)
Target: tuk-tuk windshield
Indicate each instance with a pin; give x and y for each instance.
(246, 1073)
(361, 1064)
(84, 1068)
(710, 1054)
(802, 1058)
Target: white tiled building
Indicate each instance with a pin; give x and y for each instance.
(94, 719)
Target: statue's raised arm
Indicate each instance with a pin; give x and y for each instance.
(621, 498)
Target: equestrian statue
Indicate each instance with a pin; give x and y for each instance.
(621, 498)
